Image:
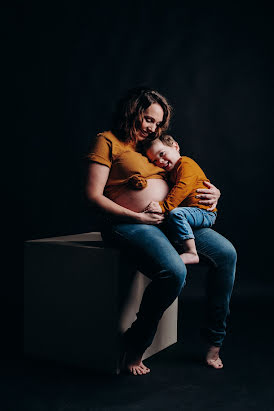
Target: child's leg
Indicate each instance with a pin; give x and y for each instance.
(190, 255)
(179, 223)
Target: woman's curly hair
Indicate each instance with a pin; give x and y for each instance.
(128, 116)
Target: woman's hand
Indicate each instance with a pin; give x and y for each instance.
(209, 196)
(150, 218)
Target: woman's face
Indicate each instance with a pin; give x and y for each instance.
(152, 118)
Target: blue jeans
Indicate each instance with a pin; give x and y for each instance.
(181, 219)
(156, 258)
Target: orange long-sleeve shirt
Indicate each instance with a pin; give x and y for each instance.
(186, 177)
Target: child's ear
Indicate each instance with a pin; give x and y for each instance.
(176, 145)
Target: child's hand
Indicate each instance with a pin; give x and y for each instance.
(153, 207)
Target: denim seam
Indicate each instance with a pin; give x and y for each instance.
(215, 265)
(122, 236)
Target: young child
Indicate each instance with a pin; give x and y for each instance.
(181, 203)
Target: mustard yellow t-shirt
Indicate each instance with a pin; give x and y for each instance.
(128, 168)
(186, 177)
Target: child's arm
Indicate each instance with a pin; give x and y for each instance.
(185, 182)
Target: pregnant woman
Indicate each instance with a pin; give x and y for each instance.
(121, 183)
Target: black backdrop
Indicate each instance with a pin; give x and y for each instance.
(213, 62)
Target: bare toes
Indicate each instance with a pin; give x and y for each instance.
(215, 363)
(144, 368)
(134, 365)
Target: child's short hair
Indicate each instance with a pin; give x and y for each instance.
(166, 139)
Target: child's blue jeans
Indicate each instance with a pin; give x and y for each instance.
(181, 220)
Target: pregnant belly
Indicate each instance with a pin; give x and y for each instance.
(138, 200)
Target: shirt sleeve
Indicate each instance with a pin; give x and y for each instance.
(185, 182)
(101, 151)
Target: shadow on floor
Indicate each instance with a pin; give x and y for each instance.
(179, 380)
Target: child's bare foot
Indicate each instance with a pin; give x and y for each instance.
(190, 258)
(212, 357)
(133, 364)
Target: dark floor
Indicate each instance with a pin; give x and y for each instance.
(179, 380)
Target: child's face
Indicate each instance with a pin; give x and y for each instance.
(163, 156)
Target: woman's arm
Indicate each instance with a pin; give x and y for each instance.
(209, 196)
(97, 178)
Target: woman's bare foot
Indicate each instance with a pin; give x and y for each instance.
(133, 364)
(190, 258)
(212, 357)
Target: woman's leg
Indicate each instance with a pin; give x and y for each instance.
(156, 258)
(222, 256)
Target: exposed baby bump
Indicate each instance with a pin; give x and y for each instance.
(138, 199)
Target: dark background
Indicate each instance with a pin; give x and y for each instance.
(214, 63)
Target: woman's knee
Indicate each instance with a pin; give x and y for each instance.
(177, 273)
(229, 252)
(233, 253)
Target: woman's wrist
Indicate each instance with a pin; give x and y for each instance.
(131, 216)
